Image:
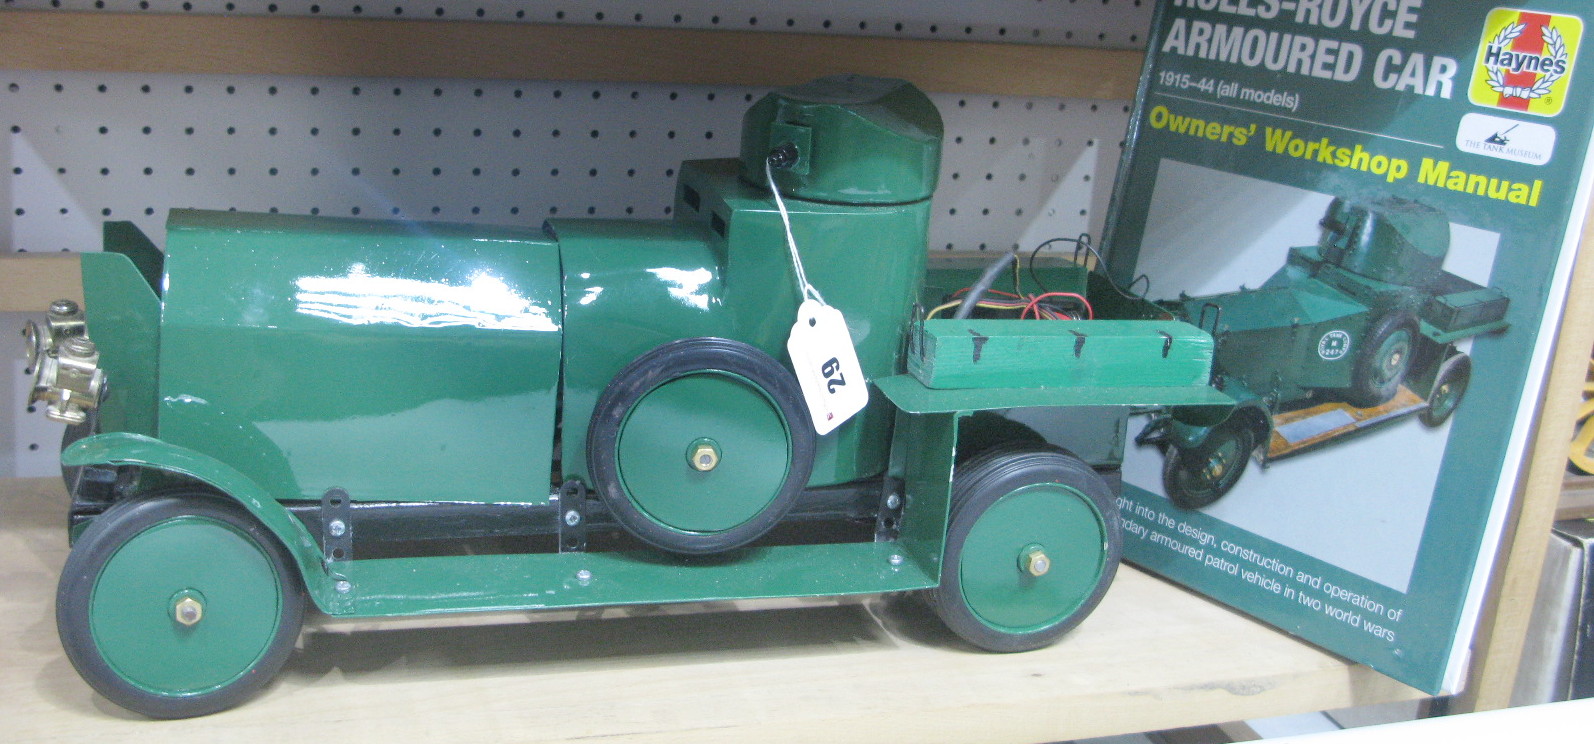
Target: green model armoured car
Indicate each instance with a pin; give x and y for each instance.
(283, 413)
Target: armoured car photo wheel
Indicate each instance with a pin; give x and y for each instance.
(1382, 364)
(1447, 392)
(1033, 544)
(701, 445)
(178, 605)
(1194, 478)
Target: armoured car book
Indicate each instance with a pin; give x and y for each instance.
(1368, 205)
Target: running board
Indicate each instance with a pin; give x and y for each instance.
(1295, 431)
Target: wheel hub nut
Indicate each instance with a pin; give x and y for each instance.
(703, 455)
(1035, 561)
(188, 611)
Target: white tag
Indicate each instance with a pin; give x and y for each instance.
(827, 365)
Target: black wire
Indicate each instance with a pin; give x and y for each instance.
(1083, 241)
(1037, 251)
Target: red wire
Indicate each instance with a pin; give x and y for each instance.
(1034, 304)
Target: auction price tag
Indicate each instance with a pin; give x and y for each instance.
(827, 365)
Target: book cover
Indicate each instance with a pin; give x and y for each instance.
(1368, 205)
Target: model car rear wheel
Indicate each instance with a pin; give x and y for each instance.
(701, 445)
(1447, 392)
(178, 605)
(1033, 544)
(1196, 477)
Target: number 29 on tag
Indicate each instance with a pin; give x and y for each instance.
(826, 365)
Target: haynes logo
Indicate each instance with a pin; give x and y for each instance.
(1525, 61)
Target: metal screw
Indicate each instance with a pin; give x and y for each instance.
(704, 455)
(572, 517)
(1036, 562)
(583, 576)
(336, 527)
(896, 559)
(343, 586)
(188, 611)
(63, 307)
(893, 501)
(78, 346)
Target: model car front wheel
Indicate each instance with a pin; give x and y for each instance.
(178, 605)
(1195, 477)
(1383, 363)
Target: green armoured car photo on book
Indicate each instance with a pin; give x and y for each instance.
(1337, 331)
(1352, 333)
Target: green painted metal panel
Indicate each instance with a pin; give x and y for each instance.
(125, 238)
(1060, 353)
(721, 268)
(121, 448)
(628, 288)
(923, 458)
(123, 317)
(913, 397)
(858, 140)
(397, 360)
(414, 586)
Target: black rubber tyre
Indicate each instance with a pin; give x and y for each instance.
(144, 547)
(1448, 390)
(1005, 502)
(674, 361)
(1382, 362)
(1197, 477)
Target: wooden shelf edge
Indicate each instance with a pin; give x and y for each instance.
(29, 282)
(1520, 558)
(210, 44)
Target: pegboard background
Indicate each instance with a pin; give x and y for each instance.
(81, 148)
(1102, 23)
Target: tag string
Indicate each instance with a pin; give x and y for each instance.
(804, 289)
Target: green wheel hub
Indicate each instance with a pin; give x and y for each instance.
(1394, 355)
(713, 411)
(133, 607)
(999, 562)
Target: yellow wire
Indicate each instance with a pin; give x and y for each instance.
(986, 305)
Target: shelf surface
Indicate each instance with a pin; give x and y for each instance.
(207, 44)
(1152, 657)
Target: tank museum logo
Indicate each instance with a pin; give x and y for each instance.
(1507, 139)
(1333, 345)
(1525, 61)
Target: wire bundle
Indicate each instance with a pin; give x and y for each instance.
(1038, 306)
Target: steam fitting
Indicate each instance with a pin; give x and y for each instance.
(64, 364)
